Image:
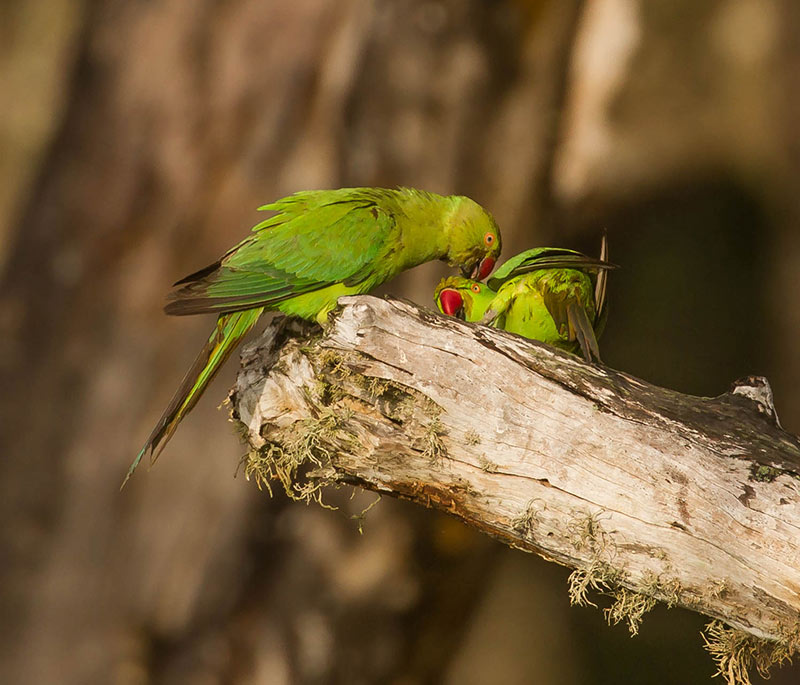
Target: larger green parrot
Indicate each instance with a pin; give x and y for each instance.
(549, 294)
(319, 246)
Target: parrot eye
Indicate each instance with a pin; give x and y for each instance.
(488, 239)
(475, 288)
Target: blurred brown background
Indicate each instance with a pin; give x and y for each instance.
(136, 140)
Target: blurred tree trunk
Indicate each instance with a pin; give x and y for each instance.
(162, 125)
(784, 253)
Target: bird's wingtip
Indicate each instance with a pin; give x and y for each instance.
(133, 466)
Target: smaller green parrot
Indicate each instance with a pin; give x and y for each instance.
(317, 246)
(553, 295)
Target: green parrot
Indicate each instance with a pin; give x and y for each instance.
(549, 294)
(318, 246)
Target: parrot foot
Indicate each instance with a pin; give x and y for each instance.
(323, 318)
(489, 317)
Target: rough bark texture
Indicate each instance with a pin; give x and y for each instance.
(692, 501)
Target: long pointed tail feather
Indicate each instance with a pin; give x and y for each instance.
(600, 303)
(602, 278)
(230, 329)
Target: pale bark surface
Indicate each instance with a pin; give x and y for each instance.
(692, 501)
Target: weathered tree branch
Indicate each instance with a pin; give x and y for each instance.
(648, 493)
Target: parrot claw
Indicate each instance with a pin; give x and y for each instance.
(323, 317)
(489, 317)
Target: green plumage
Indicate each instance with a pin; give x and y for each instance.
(318, 246)
(553, 295)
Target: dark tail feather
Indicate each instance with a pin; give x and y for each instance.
(199, 275)
(602, 278)
(579, 262)
(584, 333)
(230, 329)
(600, 303)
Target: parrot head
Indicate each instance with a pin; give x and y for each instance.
(473, 239)
(463, 298)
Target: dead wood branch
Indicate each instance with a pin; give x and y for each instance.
(648, 493)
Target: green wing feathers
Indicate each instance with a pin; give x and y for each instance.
(224, 289)
(230, 329)
(569, 298)
(572, 286)
(314, 240)
(314, 248)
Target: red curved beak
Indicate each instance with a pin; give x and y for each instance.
(485, 267)
(451, 301)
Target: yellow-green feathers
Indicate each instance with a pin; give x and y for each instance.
(230, 329)
(316, 247)
(553, 295)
